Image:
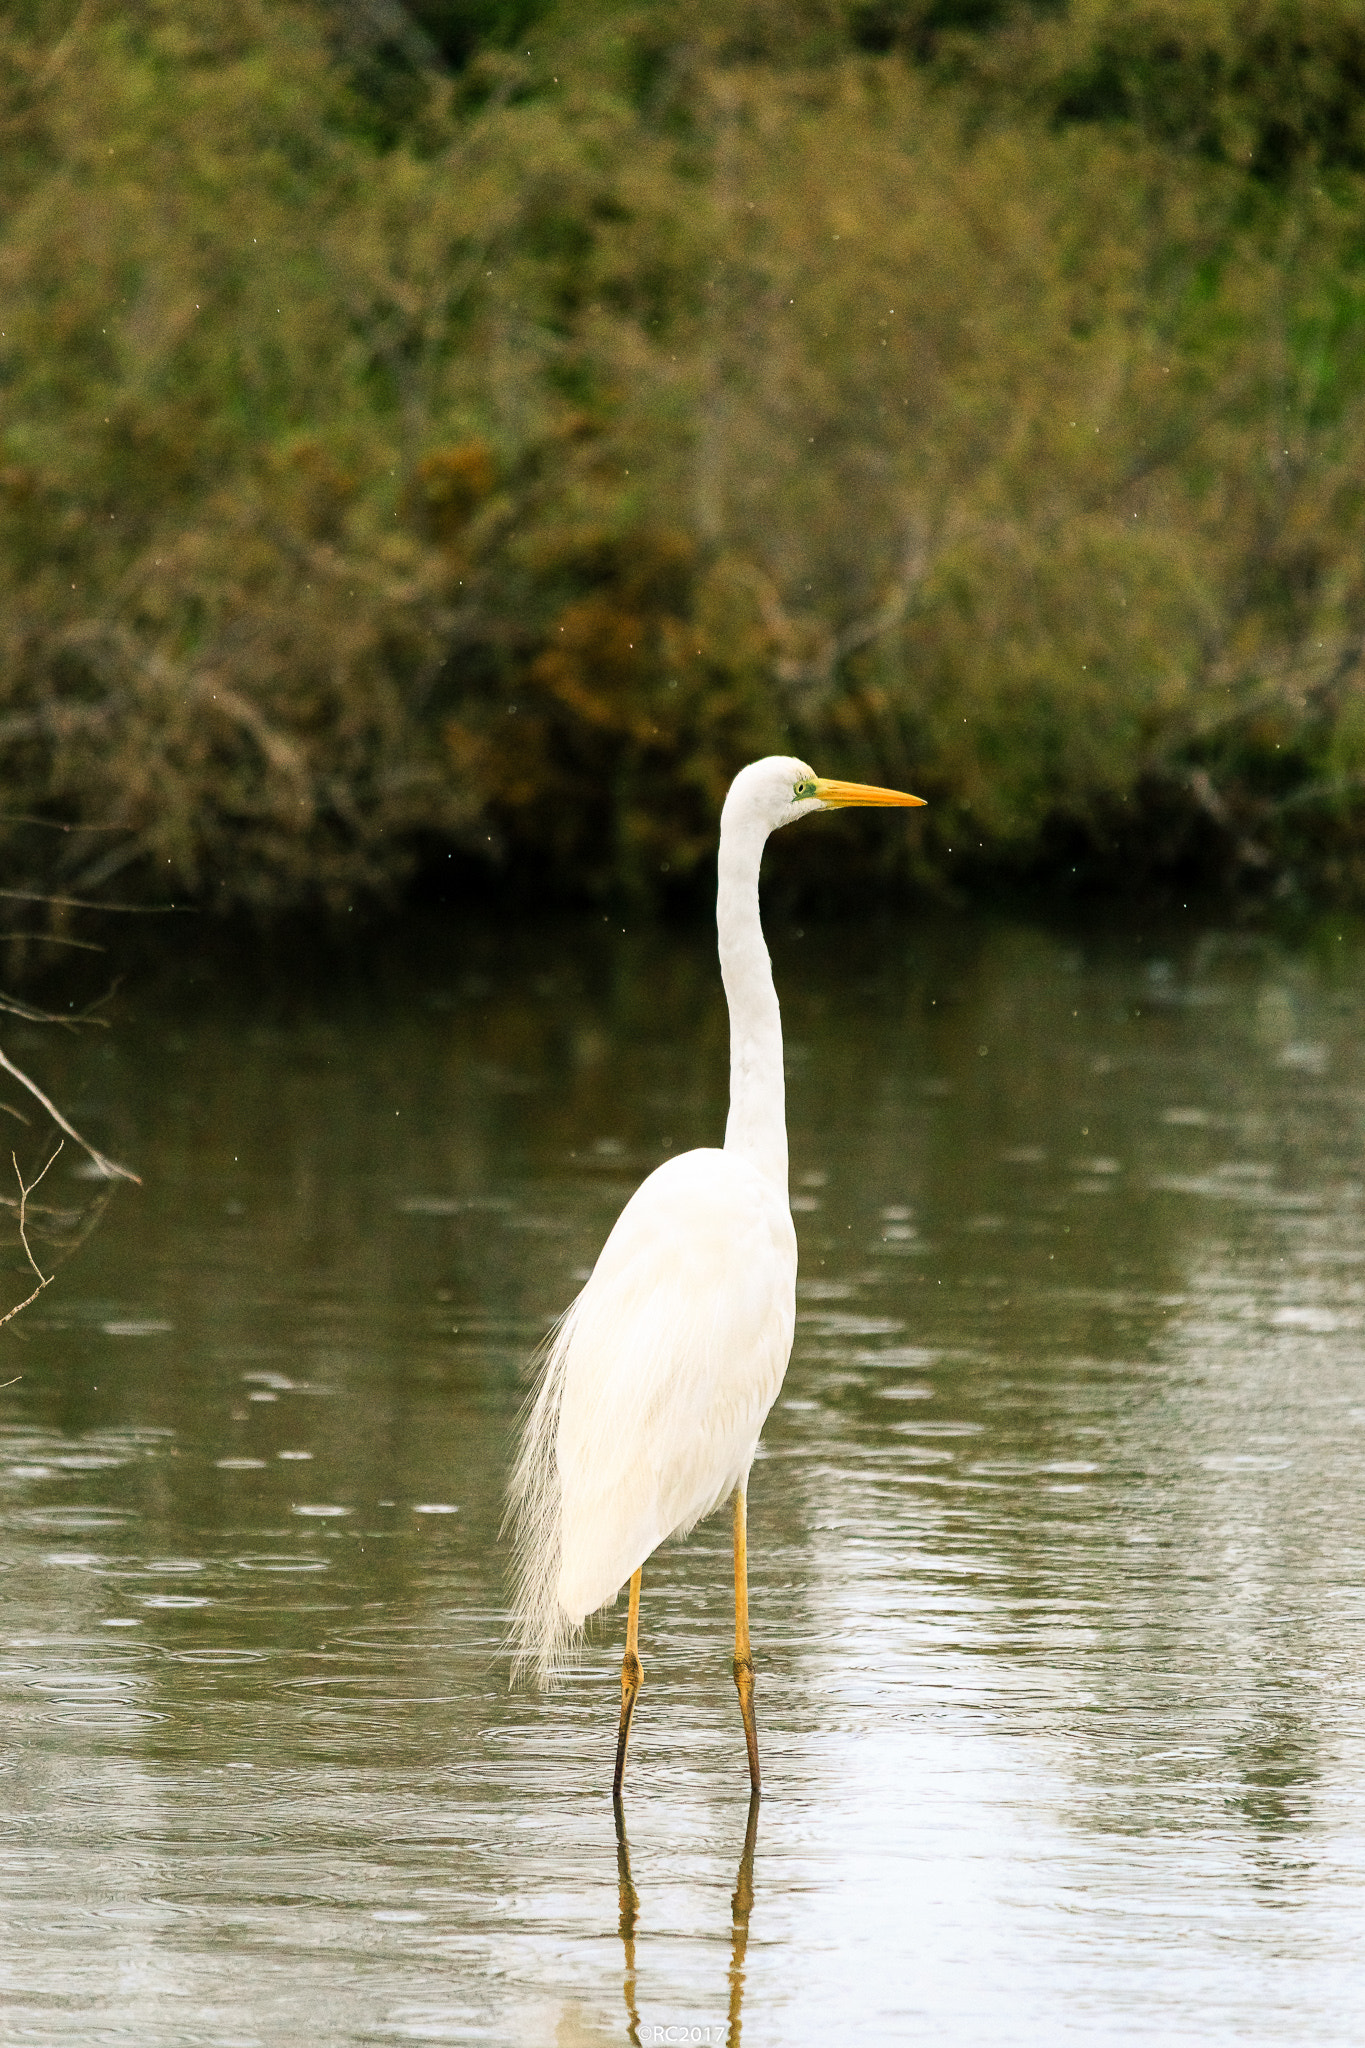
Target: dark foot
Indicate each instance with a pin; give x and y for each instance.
(632, 1678)
(744, 1682)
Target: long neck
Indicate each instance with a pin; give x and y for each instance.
(757, 1125)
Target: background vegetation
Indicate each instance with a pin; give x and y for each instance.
(468, 431)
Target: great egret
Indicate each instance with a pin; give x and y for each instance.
(657, 1380)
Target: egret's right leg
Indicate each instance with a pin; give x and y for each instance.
(632, 1678)
(744, 1656)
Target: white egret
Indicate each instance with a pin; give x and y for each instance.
(657, 1380)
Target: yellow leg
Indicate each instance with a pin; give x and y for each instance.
(632, 1678)
(744, 1663)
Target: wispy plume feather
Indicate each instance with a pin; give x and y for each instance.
(542, 1637)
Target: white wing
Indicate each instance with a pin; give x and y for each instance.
(656, 1386)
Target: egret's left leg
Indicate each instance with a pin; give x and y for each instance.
(632, 1678)
(744, 1663)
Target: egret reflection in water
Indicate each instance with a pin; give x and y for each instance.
(741, 1906)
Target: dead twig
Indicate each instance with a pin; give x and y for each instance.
(65, 44)
(54, 824)
(44, 1279)
(53, 939)
(89, 903)
(817, 668)
(15, 1008)
(109, 1167)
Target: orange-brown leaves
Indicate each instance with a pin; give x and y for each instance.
(449, 487)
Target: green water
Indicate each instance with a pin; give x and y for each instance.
(1056, 1532)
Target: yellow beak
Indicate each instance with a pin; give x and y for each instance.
(837, 794)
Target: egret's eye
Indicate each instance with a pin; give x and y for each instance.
(801, 790)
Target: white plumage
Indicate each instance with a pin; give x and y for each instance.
(656, 1385)
(656, 1382)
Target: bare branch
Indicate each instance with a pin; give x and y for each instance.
(44, 1279)
(15, 1008)
(89, 903)
(54, 824)
(24, 1193)
(62, 48)
(52, 939)
(109, 1167)
(69, 1023)
(835, 647)
(20, 1306)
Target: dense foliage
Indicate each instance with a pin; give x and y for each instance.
(481, 426)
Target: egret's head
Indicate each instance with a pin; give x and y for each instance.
(778, 790)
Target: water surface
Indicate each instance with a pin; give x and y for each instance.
(1056, 1532)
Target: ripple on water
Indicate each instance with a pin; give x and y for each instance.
(68, 1518)
(281, 1564)
(216, 1657)
(828, 1323)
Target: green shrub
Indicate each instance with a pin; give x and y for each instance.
(973, 403)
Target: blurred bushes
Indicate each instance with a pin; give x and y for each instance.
(1272, 85)
(966, 396)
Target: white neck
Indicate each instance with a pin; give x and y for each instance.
(757, 1125)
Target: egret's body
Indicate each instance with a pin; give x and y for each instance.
(657, 1382)
(687, 1322)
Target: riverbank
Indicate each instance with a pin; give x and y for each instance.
(457, 453)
